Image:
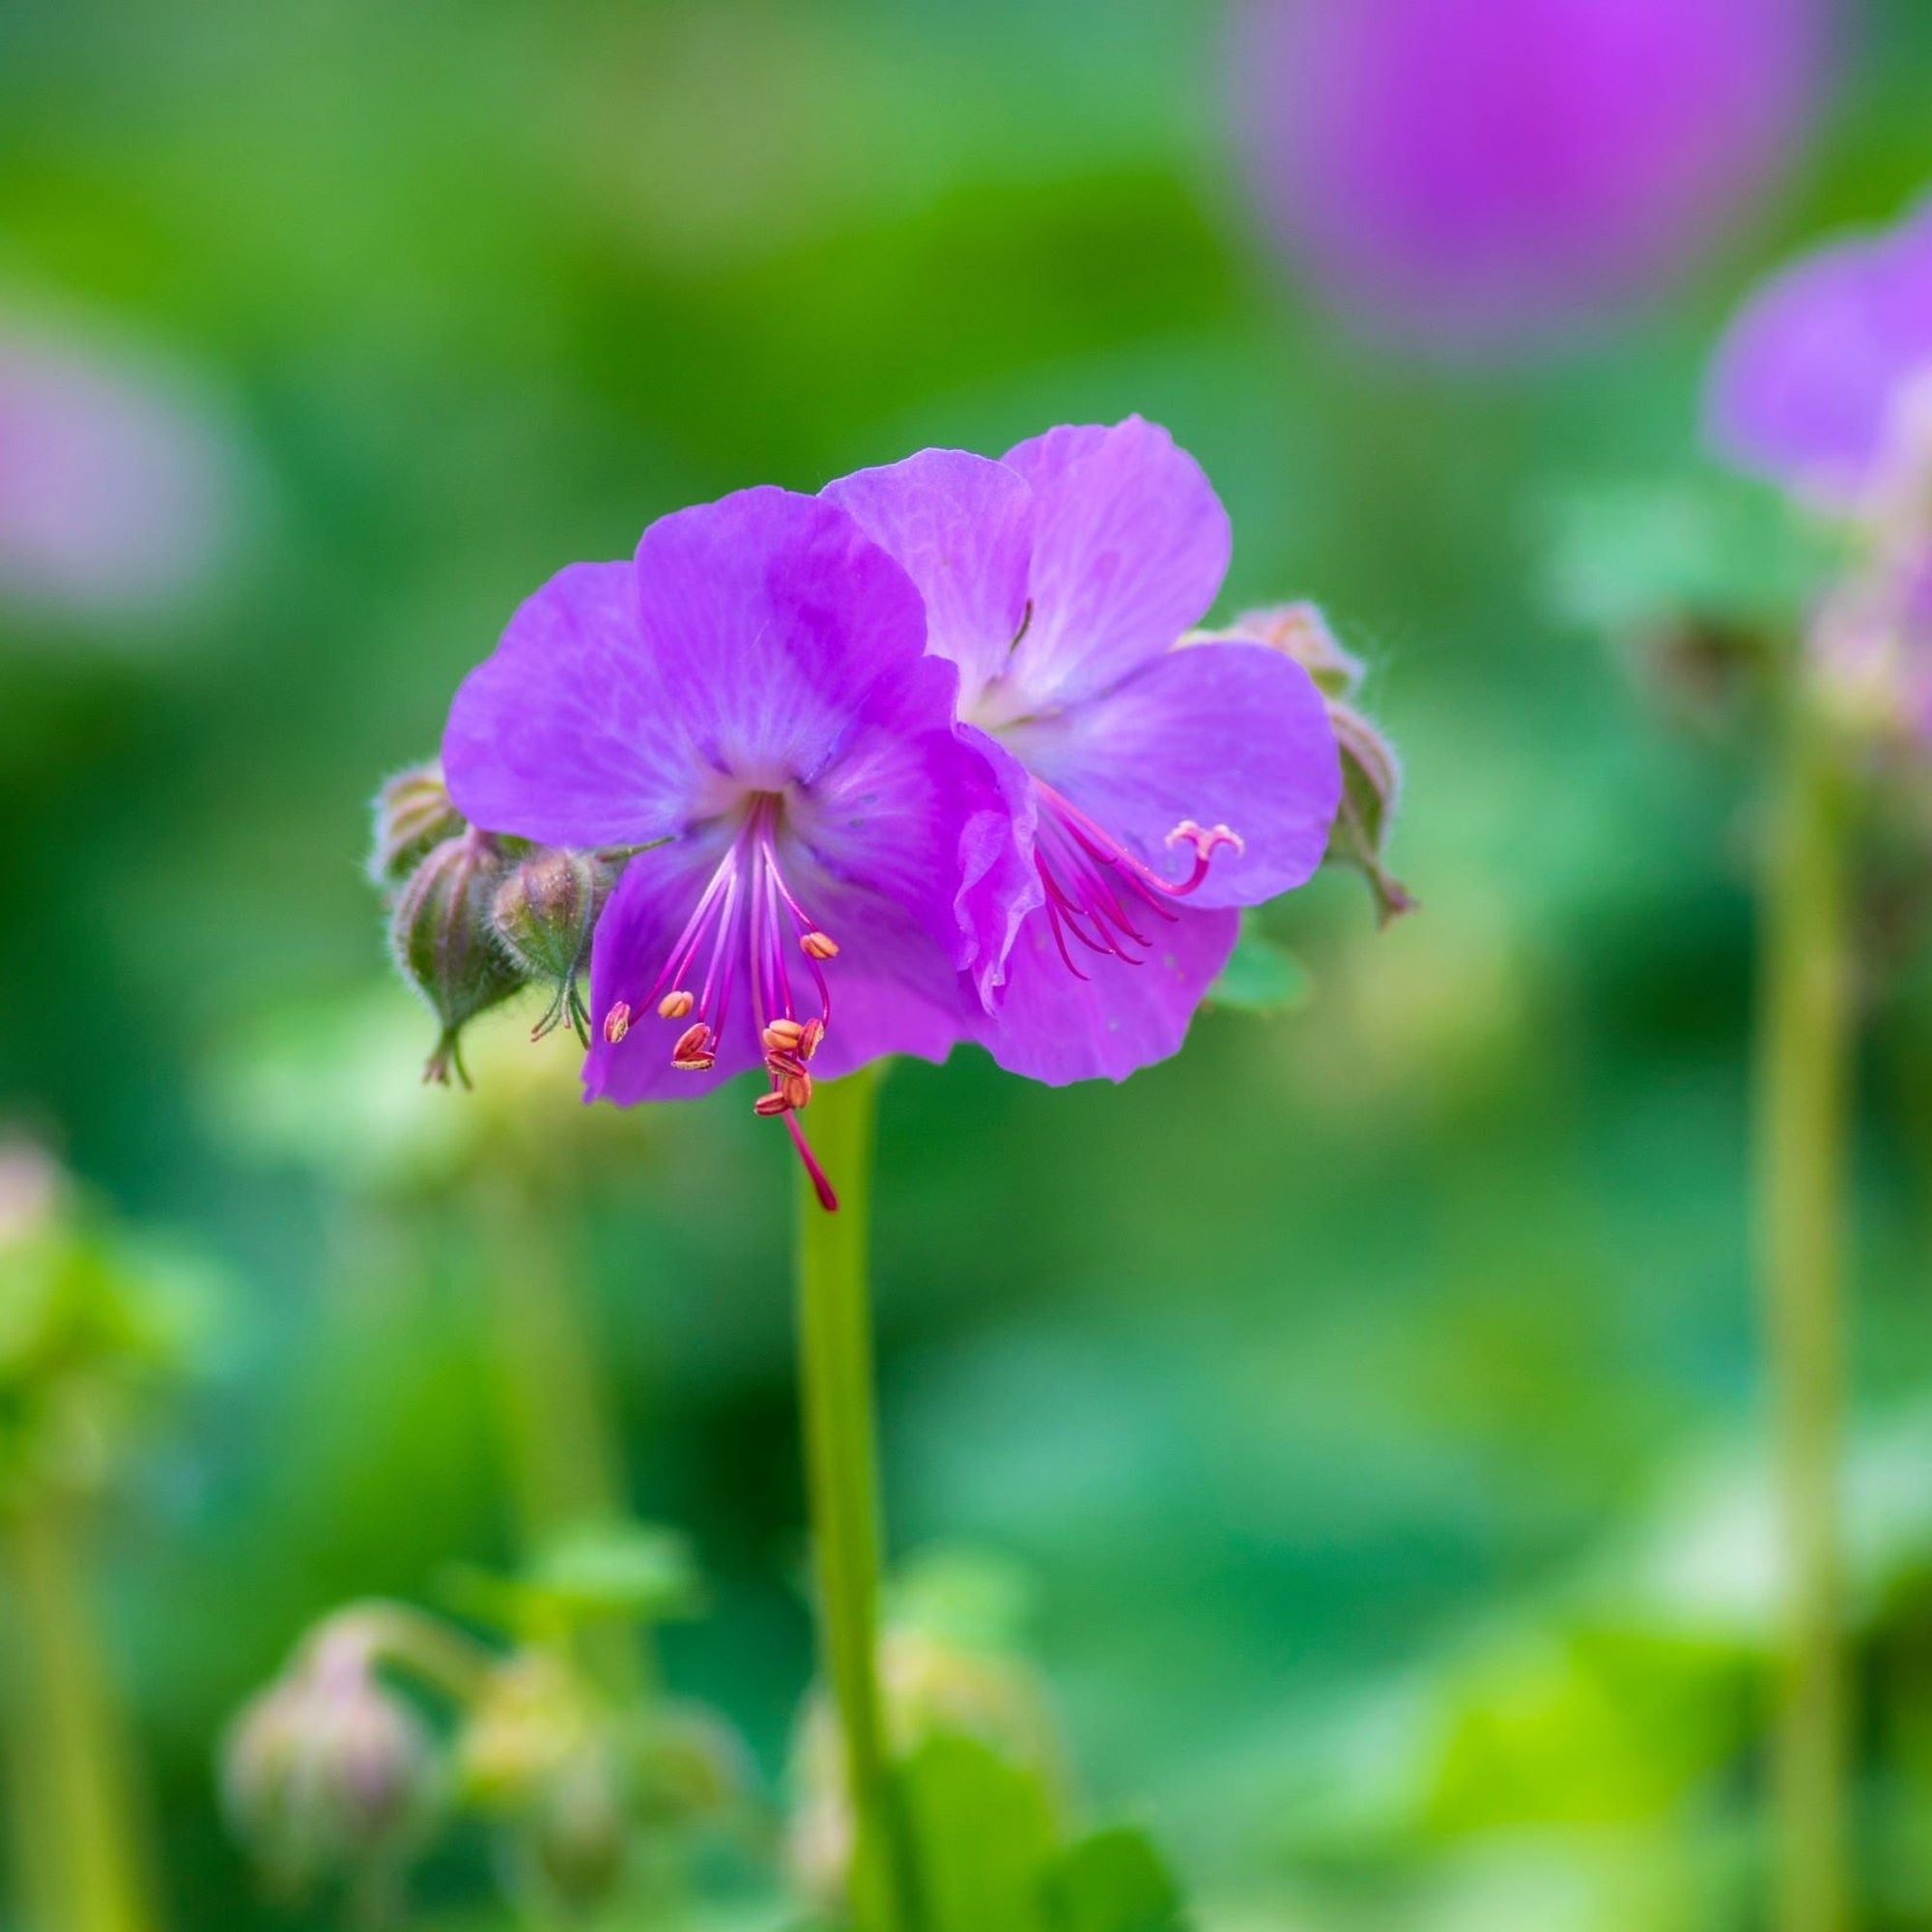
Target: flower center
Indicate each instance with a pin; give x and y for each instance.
(747, 921)
(1096, 888)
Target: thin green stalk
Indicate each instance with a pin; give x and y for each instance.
(843, 1487)
(80, 1862)
(562, 1443)
(1805, 1048)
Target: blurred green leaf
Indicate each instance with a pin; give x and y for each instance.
(598, 1571)
(1114, 1880)
(984, 1829)
(1260, 975)
(1707, 546)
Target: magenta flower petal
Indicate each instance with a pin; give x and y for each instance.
(1129, 547)
(1805, 386)
(756, 691)
(1480, 175)
(1055, 1026)
(1143, 786)
(1231, 734)
(558, 736)
(743, 639)
(961, 529)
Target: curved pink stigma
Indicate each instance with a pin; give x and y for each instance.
(746, 920)
(1096, 888)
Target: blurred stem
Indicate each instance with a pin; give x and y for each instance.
(562, 1442)
(434, 1653)
(843, 1487)
(1805, 1045)
(80, 1865)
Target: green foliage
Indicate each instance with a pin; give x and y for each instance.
(1113, 1880)
(990, 1853)
(1303, 1371)
(586, 1573)
(1260, 976)
(1699, 544)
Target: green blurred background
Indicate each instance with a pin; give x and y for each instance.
(1370, 1397)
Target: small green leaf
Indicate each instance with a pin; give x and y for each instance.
(984, 1833)
(1700, 543)
(594, 1572)
(1113, 1881)
(1259, 977)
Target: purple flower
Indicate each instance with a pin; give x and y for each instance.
(1468, 175)
(1153, 790)
(116, 496)
(1815, 383)
(753, 689)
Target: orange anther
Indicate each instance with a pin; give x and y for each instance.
(818, 945)
(676, 1004)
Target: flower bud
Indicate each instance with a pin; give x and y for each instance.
(445, 944)
(1300, 631)
(538, 1754)
(327, 1773)
(533, 1717)
(579, 1828)
(543, 915)
(413, 815)
(689, 1765)
(30, 1193)
(1371, 777)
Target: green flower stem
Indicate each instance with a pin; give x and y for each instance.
(81, 1864)
(842, 1486)
(1805, 1050)
(436, 1653)
(562, 1442)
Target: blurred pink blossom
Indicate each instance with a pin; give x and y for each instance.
(117, 491)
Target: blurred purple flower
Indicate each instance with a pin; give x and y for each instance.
(1473, 174)
(753, 689)
(116, 496)
(1154, 790)
(1820, 382)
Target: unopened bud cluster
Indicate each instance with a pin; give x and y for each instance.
(1371, 776)
(329, 1772)
(477, 917)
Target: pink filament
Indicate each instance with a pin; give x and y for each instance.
(1082, 868)
(749, 916)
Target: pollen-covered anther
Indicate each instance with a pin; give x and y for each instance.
(694, 1051)
(675, 1005)
(782, 1064)
(768, 1106)
(617, 1021)
(1206, 842)
(813, 1032)
(784, 1037)
(816, 944)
